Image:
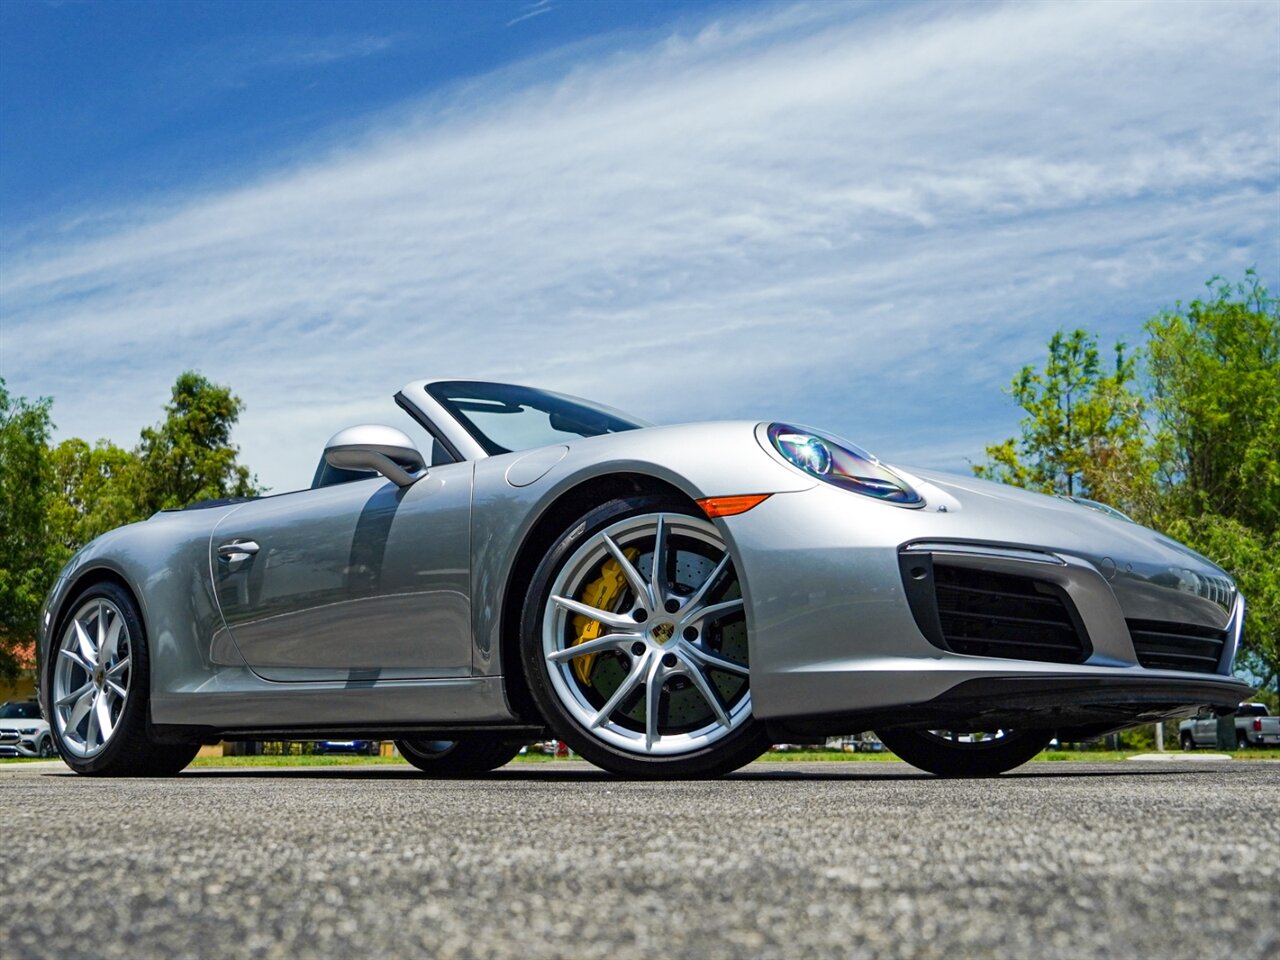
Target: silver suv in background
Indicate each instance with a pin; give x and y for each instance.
(1255, 727)
(23, 730)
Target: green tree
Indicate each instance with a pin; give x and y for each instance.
(1215, 388)
(189, 456)
(93, 492)
(26, 568)
(1083, 433)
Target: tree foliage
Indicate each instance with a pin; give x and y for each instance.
(53, 500)
(189, 456)
(1215, 387)
(1191, 448)
(25, 567)
(93, 492)
(1083, 432)
(1215, 390)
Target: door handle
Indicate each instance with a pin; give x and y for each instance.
(237, 550)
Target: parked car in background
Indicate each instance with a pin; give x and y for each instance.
(23, 730)
(1255, 727)
(365, 747)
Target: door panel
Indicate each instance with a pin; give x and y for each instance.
(360, 581)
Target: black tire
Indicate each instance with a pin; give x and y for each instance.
(466, 757)
(1242, 742)
(740, 746)
(46, 747)
(131, 751)
(1188, 741)
(945, 758)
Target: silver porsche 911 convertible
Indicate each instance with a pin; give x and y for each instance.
(666, 600)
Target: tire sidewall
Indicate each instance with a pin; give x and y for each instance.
(134, 716)
(469, 756)
(739, 747)
(937, 757)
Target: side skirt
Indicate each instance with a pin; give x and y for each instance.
(245, 702)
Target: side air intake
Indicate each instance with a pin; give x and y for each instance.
(988, 614)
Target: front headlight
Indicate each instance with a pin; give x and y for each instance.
(27, 731)
(843, 465)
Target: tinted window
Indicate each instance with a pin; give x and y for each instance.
(29, 710)
(503, 418)
(1251, 710)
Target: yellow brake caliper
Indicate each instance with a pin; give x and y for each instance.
(601, 594)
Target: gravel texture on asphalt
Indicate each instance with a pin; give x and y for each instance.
(781, 860)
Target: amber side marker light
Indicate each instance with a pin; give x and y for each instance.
(731, 506)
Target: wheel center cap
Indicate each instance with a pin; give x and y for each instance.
(99, 675)
(662, 632)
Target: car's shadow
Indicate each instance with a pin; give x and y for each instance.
(758, 773)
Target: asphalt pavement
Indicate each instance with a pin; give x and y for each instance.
(1057, 860)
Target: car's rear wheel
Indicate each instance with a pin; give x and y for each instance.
(1242, 742)
(98, 678)
(634, 639)
(952, 754)
(466, 757)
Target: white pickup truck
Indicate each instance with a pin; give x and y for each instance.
(1255, 727)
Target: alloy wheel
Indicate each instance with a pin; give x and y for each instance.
(91, 677)
(644, 636)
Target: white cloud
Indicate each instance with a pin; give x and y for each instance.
(859, 219)
(531, 10)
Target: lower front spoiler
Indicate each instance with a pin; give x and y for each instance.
(1073, 707)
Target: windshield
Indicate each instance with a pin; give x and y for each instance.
(29, 710)
(503, 418)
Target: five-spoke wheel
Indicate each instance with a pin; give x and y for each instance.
(635, 641)
(97, 690)
(91, 677)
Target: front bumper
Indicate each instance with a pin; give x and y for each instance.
(14, 744)
(836, 646)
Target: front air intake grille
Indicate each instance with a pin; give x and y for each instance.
(1177, 646)
(989, 614)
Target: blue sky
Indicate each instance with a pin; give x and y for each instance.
(859, 216)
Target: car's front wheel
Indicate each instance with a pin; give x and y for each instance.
(467, 757)
(98, 686)
(634, 639)
(1188, 741)
(952, 754)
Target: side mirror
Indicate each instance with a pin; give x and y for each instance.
(373, 447)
